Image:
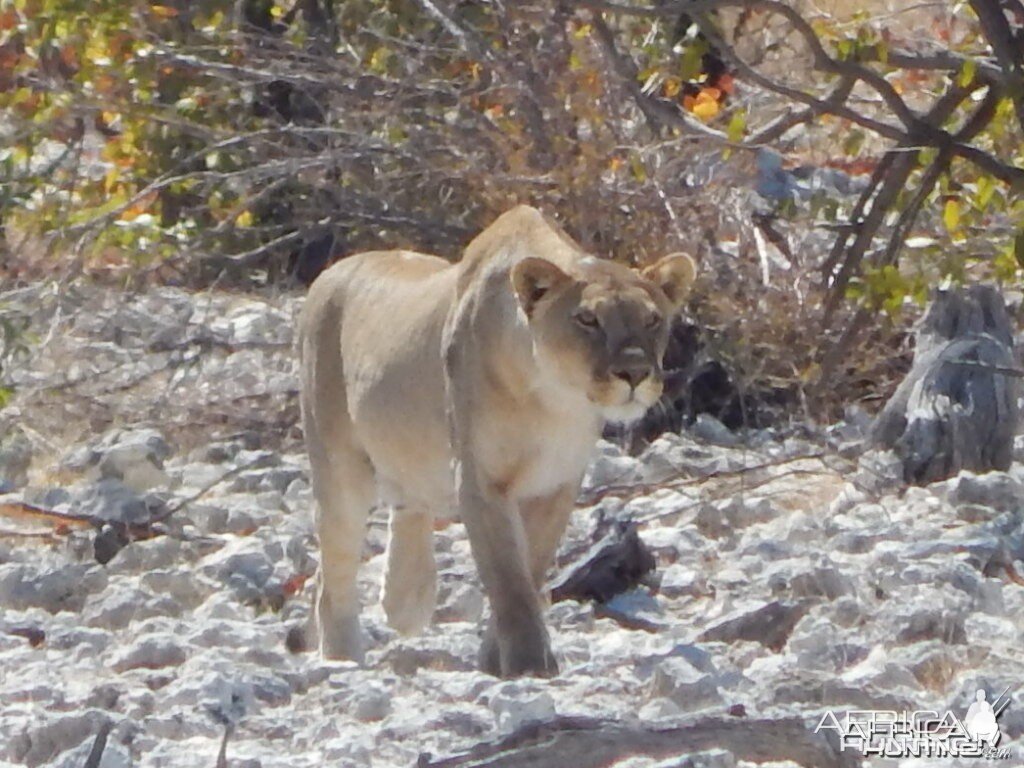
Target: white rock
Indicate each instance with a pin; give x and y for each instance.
(48, 736)
(371, 703)
(849, 497)
(247, 558)
(64, 588)
(660, 709)
(690, 689)
(111, 499)
(463, 602)
(711, 430)
(518, 702)
(150, 652)
(116, 609)
(92, 641)
(610, 470)
(114, 756)
(678, 580)
(997, 490)
(133, 457)
(879, 471)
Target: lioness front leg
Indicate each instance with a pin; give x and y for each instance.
(544, 521)
(516, 641)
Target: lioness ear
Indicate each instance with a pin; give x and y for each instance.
(674, 274)
(532, 278)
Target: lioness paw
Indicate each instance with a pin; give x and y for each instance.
(516, 657)
(531, 662)
(341, 639)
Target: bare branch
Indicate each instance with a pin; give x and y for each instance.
(1006, 48)
(915, 131)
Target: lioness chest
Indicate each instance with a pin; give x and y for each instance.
(529, 445)
(535, 445)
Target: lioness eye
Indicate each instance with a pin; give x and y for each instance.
(653, 321)
(586, 319)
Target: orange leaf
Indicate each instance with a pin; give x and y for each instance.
(706, 109)
(163, 11)
(69, 56)
(104, 83)
(142, 206)
(294, 584)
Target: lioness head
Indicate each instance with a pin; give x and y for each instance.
(603, 330)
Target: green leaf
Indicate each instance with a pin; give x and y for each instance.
(927, 156)
(986, 188)
(637, 166)
(967, 73)
(853, 142)
(737, 126)
(951, 215)
(690, 64)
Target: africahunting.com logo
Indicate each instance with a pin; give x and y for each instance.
(922, 733)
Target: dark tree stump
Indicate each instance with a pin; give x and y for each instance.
(957, 408)
(617, 563)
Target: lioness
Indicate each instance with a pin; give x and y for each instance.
(481, 387)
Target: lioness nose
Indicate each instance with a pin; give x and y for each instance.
(633, 375)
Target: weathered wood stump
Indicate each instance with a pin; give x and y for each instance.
(619, 562)
(957, 408)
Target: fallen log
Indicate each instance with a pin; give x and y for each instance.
(590, 743)
(957, 409)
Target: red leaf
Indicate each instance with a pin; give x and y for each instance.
(294, 584)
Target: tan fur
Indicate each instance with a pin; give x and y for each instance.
(479, 389)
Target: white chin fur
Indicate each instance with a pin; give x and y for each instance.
(625, 413)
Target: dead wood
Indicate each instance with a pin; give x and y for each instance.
(957, 407)
(617, 563)
(591, 743)
(98, 746)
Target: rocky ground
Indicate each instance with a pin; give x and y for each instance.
(793, 577)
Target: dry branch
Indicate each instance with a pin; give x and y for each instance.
(589, 743)
(22, 510)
